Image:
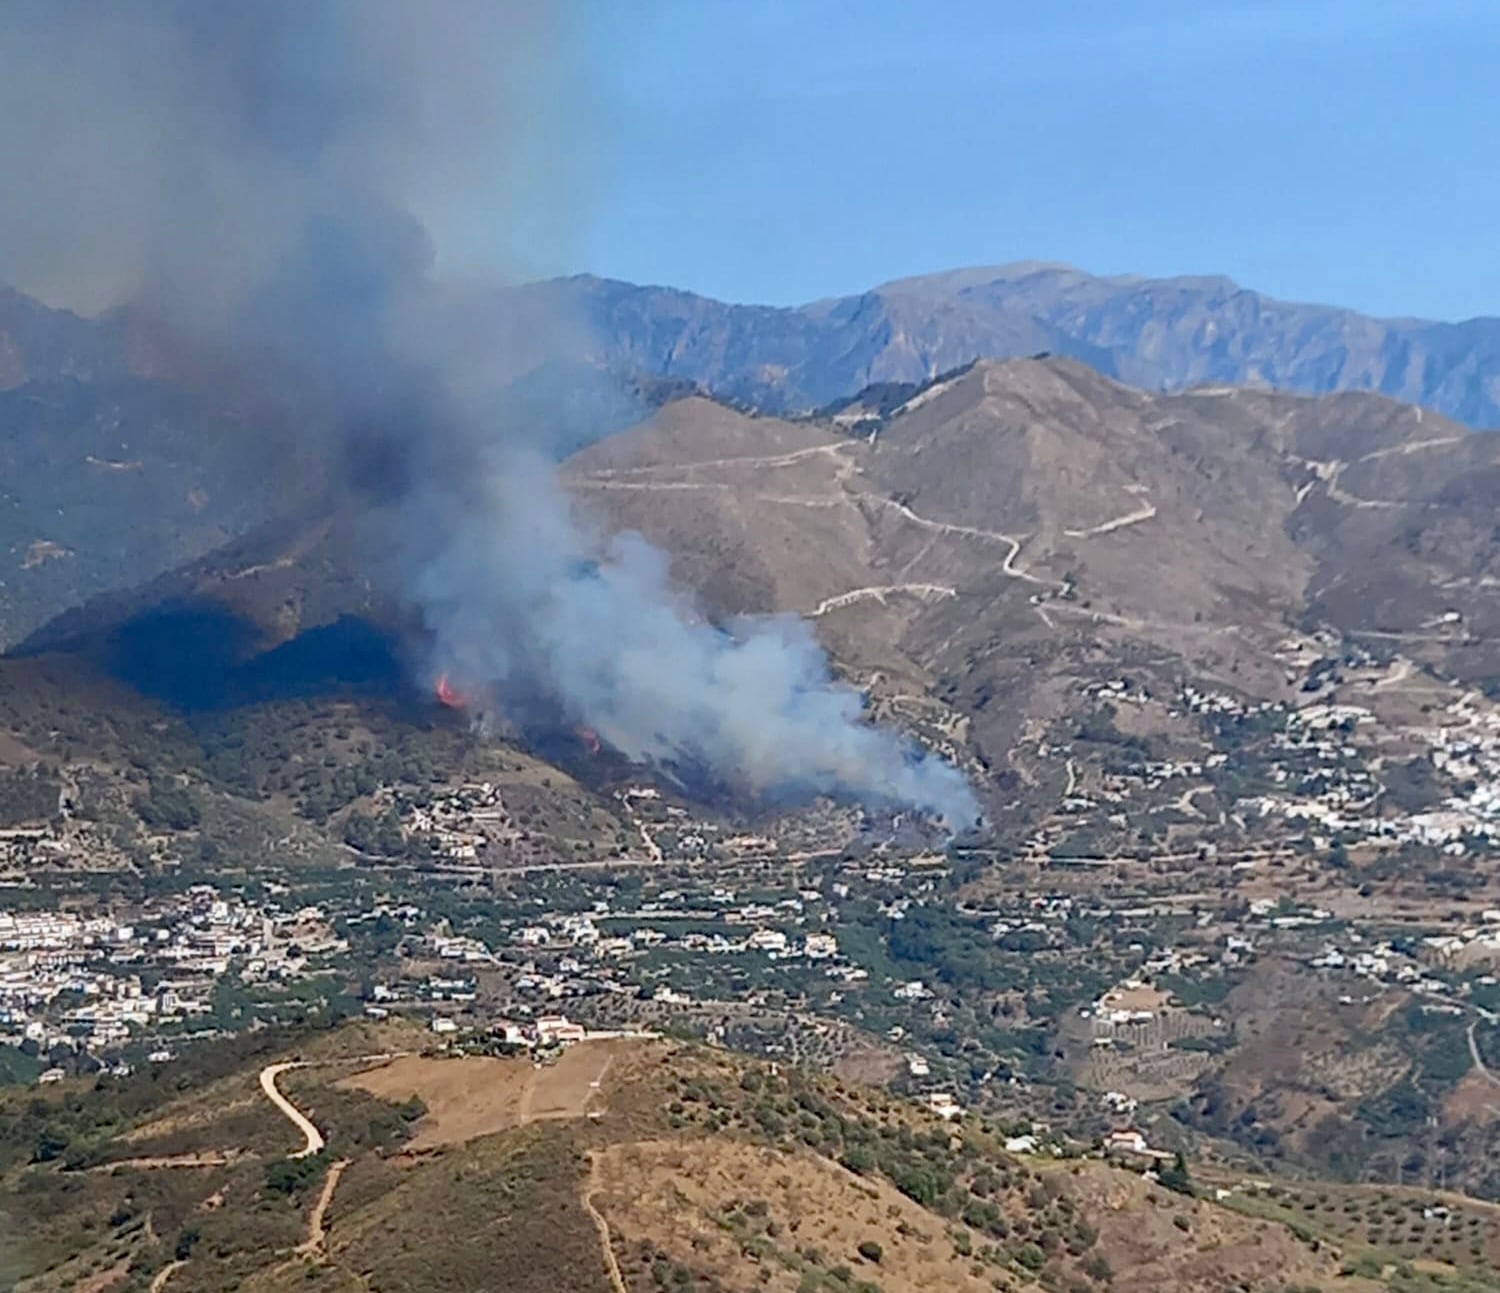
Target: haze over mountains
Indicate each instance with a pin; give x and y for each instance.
(1156, 333)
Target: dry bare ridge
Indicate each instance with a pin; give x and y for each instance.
(1249, 513)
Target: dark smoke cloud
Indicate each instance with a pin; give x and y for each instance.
(306, 186)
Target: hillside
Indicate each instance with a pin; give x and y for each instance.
(110, 482)
(103, 420)
(1221, 664)
(634, 1166)
(971, 555)
(1023, 525)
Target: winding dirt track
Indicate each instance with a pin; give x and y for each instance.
(1480, 1066)
(879, 593)
(316, 1233)
(165, 1274)
(616, 1279)
(300, 1120)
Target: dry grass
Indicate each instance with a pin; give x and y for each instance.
(465, 1097)
(472, 1096)
(1475, 1099)
(1139, 1228)
(683, 1198)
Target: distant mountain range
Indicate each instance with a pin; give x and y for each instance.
(1155, 333)
(1159, 334)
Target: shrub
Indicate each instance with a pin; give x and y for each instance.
(858, 1159)
(1176, 1177)
(870, 1250)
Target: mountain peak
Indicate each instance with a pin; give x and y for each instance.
(1156, 333)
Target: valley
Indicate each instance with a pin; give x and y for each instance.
(602, 692)
(1221, 667)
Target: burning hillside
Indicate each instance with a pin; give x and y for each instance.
(448, 695)
(298, 176)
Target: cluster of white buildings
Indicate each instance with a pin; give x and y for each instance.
(1379, 962)
(1340, 797)
(1196, 701)
(81, 981)
(465, 822)
(779, 930)
(1469, 752)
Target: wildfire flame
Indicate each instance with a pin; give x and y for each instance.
(449, 695)
(589, 737)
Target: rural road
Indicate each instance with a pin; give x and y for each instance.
(300, 1120)
(317, 1233)
(879, 593)
(314, 1138)
(1479, 1065)
(1143, 513)
(165, 1274)
(616, 1279)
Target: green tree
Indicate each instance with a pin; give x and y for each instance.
(388, 837)
(1176, 1177)
(359, 832)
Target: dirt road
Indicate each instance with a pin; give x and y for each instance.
(616, 1279)
(165, 1274)
(300, 1120)
(316, 1232)
(210, 1159)
(1480, 1066)
(879, 593)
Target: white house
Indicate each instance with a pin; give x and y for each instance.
(558, 1030)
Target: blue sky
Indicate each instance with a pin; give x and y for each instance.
(783, 150)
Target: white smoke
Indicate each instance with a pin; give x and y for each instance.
(282, 181)
(519, 591)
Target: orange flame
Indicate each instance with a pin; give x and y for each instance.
(449, 695)
(588, 736)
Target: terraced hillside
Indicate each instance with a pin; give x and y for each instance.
(620, 1165)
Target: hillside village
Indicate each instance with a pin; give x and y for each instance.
(718, 930)
(1280, 775)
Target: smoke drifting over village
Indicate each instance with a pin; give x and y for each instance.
(303, 187)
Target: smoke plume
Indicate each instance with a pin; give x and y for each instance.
(332, 190)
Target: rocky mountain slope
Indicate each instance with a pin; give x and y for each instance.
(1164, 334)
(109, 482)
(975, 554)
(1027, 523)
(124, 456)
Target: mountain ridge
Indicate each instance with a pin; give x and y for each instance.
(106, 416)
(1159, 333)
